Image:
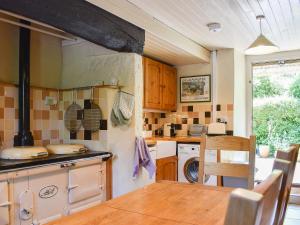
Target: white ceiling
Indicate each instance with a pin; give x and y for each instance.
(237, 17)
(176, 30)
(166, 52)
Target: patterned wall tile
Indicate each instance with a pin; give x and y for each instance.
(41, 115)
(189, 114)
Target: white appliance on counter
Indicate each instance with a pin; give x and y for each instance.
(188, 163)
(45, 193)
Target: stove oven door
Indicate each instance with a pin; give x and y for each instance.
(85, 183)
(4, 203)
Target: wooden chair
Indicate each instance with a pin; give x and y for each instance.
(285, 166)
(228, 143)
(270, 189)
(285, 161)
(244, 208)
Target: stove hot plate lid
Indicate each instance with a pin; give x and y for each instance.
(24, 152)
(61, 149)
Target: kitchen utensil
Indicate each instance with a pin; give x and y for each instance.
(92, 115)
(60, 149)
(72, 116)
(169, 130)
(24, 152)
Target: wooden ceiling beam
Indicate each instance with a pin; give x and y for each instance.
(82, 19)
(125, 9)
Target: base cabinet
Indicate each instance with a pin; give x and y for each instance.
(166, 168)
(4, 203)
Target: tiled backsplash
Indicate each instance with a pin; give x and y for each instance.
(46, 121)
(188, 114)
(83, 98)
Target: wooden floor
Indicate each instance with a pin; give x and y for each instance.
(293, 215)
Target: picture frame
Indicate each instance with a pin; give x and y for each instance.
(195, 88)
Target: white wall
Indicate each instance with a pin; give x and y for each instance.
(286, 55)
(121, 140)
(86, 64)
(45, 57)
(225, 76)
(239, 106)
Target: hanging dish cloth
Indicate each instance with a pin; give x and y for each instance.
(142, 158)
(122, 110)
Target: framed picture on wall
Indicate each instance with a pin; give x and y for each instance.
(195, 88)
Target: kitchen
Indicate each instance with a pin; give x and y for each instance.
(85, 59)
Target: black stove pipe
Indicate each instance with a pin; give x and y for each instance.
(24, 136)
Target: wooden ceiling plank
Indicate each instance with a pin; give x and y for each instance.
(271, 18)
(256, 8)
(147, 22)
(235, 13)
(243, 12)
(282, 19)
(286, 9)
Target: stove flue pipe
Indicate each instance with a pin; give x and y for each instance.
(24, 136)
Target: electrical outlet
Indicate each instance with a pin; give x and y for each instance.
(50, 100)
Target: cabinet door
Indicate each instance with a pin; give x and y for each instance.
(152, 84)
(169, 87)
(4, 204)
(166, 168)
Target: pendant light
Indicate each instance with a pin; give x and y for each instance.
(261, 45)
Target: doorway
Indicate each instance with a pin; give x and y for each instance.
(275, 112)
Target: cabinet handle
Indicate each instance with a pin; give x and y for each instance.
(5, 204)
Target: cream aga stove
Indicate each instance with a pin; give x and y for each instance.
(39, 194)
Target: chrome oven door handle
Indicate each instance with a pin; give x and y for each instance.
(5, 204)
(73, 187)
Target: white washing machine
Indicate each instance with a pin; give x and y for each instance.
(188, 163)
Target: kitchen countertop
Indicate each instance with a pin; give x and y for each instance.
(182, 139)
(7, 165)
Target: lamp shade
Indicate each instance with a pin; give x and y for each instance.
(261, 46)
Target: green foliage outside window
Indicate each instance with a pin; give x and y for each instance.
(295, 89)
(277, 125)
(276, 122)
(265, 88)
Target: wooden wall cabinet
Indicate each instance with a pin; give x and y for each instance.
(166, 168)
(160, 85)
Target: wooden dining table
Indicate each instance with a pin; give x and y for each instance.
(163, 203)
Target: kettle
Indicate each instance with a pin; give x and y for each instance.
(169, 129)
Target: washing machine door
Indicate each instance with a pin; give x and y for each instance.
(191, 170)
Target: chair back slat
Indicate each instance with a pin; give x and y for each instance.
(285, 161)
(270, 189)
(228, 143)
(245, 207)
(227, 169)
(285, 166)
